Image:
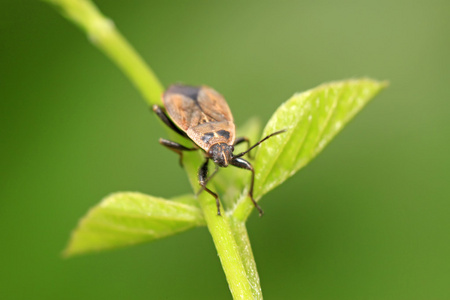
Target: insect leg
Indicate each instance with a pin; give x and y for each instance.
(243, 139)
(208, 179)
(203, 180)
(163, 116)
(243, 164)
(177, 148)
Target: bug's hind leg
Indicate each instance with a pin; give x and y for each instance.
(177, 148)
(163, 116)
(243, 164)
(243, 139)
(203, 180)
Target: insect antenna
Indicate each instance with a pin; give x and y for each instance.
(269, 136)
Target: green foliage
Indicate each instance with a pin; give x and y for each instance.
(129, 218)
(102, 32)
(311, 118)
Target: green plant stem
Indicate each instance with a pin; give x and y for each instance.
(227, 249)
(241, 283)
(102, 32)
(245, 249)
(243, 209)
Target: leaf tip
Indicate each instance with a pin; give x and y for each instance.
(382, 84)
(65, 254)
(385, 83)
(68, 251)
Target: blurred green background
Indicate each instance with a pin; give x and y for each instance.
(369, 218)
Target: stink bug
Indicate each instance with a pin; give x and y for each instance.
(202, 115)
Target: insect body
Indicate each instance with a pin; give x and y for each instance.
(202, 115)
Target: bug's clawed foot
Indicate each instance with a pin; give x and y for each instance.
(261, 212)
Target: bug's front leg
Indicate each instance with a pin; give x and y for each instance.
(208, 179)
(177, 148)
(203, 180)
(243, 164)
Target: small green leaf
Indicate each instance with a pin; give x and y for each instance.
(129, 218)
(187, 199)
(311, 119)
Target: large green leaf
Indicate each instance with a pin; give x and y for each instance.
(129, 218)
(311, 120)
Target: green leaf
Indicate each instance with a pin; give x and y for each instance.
(312, 119)
(128, 218)
(187, 199)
